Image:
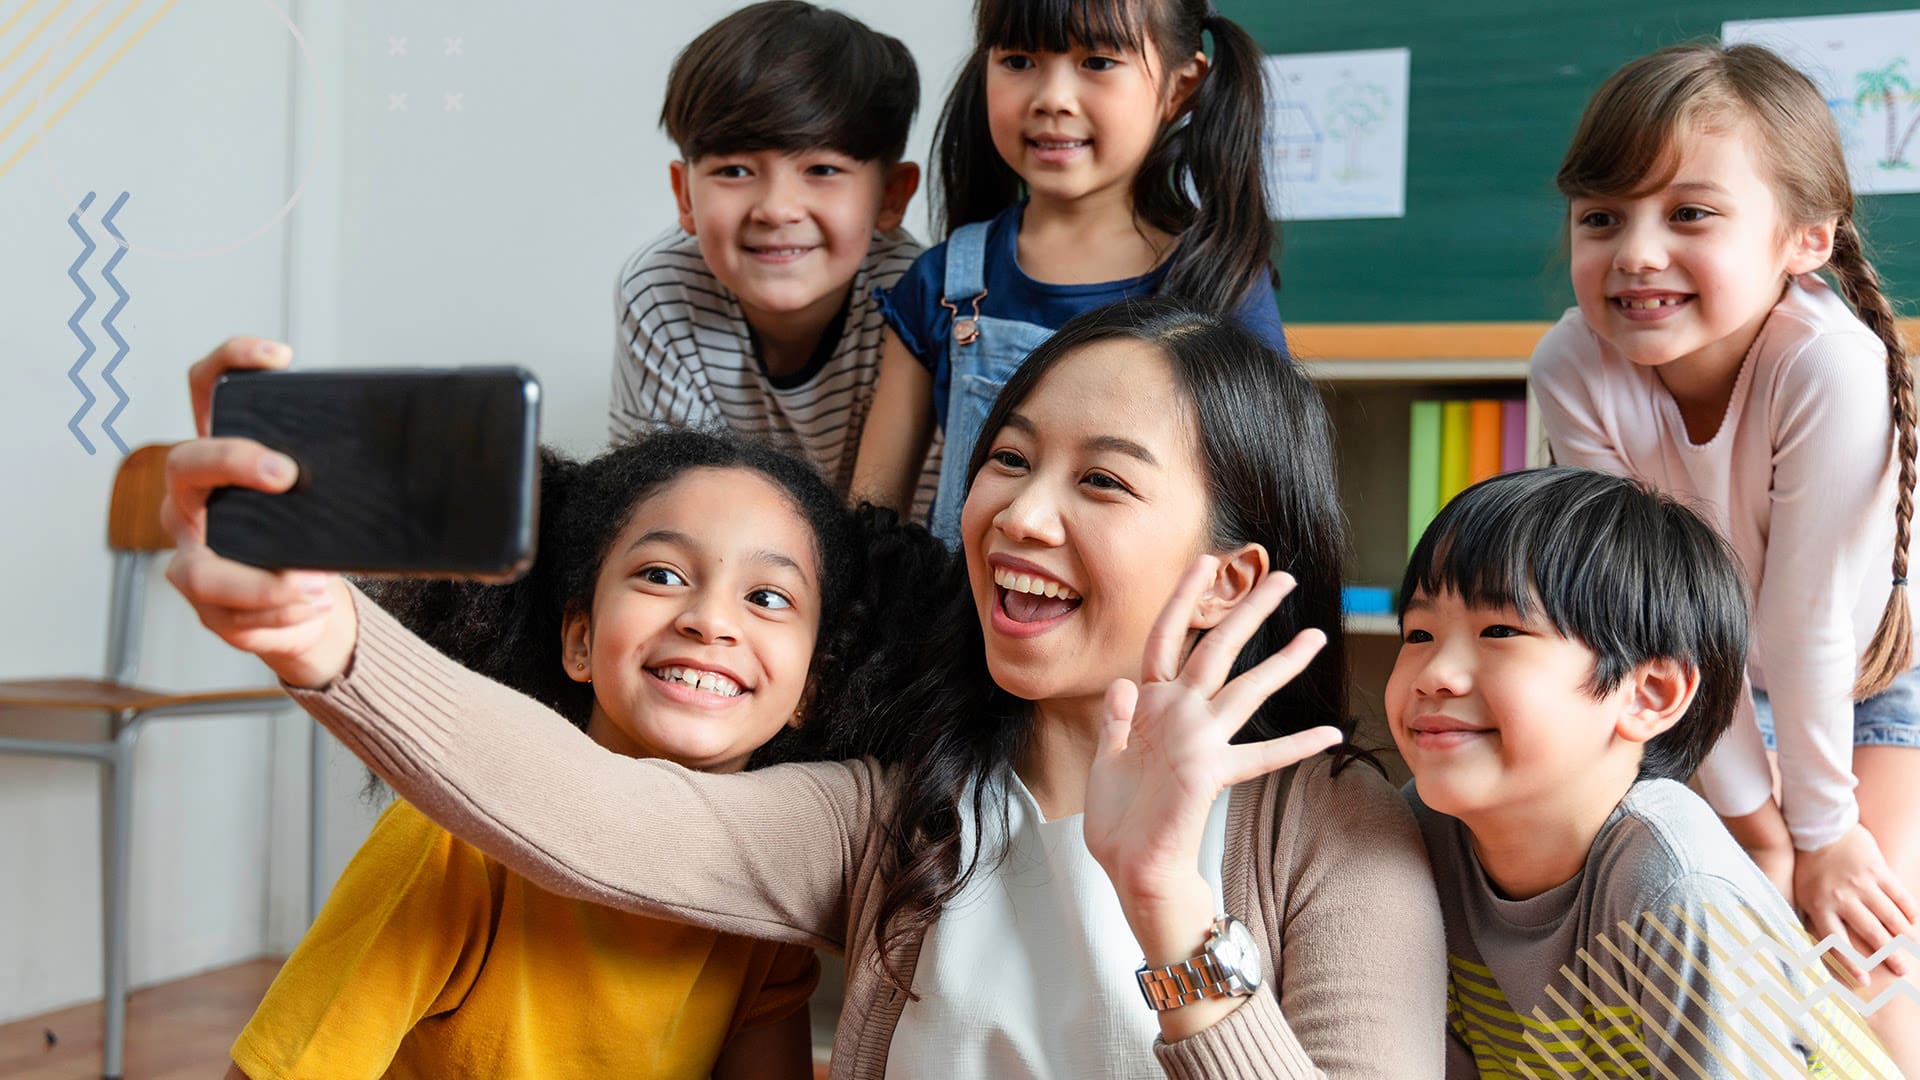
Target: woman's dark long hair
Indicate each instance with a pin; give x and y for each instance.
(876, 586)
(1213, 148)
(1267, 455)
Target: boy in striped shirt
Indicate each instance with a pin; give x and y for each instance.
(755, 312)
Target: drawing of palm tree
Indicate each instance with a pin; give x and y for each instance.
(1883, 88)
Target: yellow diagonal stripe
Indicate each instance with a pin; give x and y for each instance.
(1730, 993)
(8, 25)
(32, 34)
(118, 55)
(78, 59)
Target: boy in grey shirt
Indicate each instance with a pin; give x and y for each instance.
(1571, 648)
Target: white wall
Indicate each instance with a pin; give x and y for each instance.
(486, 234)
(493, 234)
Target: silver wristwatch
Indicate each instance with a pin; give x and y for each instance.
(1228, 966)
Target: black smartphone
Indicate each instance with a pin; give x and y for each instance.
(418, 472)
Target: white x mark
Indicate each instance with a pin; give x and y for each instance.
(396, 46)
(453, 103)
(453, 46)
(396, 103)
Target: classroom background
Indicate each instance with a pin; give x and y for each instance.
(439, 182)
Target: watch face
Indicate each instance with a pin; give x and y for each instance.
(1236, 950)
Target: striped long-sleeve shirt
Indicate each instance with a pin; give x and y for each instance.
(685, 355)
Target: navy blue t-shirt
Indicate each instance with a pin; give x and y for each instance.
(912, 309)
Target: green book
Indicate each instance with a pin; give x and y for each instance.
(1456, 449)
(1423, 470)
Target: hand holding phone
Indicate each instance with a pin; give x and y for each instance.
(301, 624)
(422, 472)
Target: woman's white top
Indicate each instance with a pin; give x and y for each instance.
(1030, 971)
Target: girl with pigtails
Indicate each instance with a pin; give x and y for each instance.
(1090, 151)
(1708, 356)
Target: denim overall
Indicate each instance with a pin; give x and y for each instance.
(982, 356)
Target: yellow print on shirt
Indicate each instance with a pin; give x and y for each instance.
(1748, 985)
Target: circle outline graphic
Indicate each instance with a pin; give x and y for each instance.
(54, 179)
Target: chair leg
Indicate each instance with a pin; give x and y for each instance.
(317, 884)
(116, 827)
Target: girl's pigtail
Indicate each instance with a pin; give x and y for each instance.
(1890, 653)
(509, 633)
(1227, 251)
(975, 182)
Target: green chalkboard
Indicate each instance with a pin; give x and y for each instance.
(1497, 87)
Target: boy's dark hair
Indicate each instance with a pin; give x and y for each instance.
(1628, 572)
(786, 75)
(878, 582)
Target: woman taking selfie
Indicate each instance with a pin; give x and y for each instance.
(1110, 768)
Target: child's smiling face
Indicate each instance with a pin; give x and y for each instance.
(787, 231)
(705, 613)
(1080, 122)
(1689, 271)
(1495, 713)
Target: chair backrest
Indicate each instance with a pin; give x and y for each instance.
(134, 534)
(133, 518)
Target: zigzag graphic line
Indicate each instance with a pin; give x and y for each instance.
(1770, 946)
(73, 324)
(1813, 1028)
(1832, 943)
(106, 323)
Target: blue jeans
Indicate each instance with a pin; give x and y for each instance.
(1888, 718)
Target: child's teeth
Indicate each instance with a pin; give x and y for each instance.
(700, 680)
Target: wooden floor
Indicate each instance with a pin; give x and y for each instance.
(176, 1031)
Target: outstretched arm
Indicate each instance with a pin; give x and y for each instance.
(769, 854)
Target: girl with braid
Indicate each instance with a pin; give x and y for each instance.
(1708, 356)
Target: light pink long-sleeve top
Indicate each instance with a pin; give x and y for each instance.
(1800, 478)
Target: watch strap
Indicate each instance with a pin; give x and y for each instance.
(1192, 980)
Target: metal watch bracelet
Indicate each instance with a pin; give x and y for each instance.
(1220, 970)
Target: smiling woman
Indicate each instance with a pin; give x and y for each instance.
(1070, 783)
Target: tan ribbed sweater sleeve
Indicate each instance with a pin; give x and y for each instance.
(768, 854)
(1352, 926)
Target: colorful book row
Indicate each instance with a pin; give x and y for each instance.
(1456, 444)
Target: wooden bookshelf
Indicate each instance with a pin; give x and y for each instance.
(1370, 376)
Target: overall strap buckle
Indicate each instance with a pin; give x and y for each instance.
(966, 330)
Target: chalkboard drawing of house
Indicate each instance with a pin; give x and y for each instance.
(1294, 142)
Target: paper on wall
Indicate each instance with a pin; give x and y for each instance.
(1868, 69)
(1336, 134)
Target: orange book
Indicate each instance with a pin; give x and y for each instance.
(1483, 441)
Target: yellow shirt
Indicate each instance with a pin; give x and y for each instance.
(433, 960)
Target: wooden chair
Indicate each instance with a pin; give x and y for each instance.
(100, 719)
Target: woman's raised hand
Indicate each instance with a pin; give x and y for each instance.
(1165, 754)
(301, 623)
